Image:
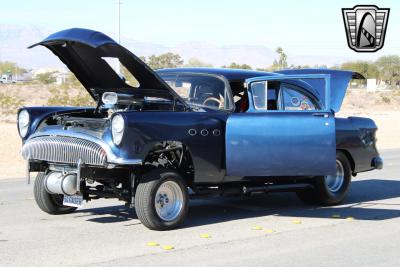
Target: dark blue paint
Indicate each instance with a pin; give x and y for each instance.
(88, 37)
(83, 50)
(145, 129)
(349, 137)
(229, 74)
(38, 114)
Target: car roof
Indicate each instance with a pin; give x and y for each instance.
(229, 74)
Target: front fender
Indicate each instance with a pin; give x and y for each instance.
(145, 129)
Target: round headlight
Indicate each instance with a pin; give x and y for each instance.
(110, 98)
(117, 128)
(23, 123)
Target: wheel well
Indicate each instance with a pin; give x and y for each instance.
(172, 155)
(349, 157)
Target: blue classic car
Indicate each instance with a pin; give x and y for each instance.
(190, 132)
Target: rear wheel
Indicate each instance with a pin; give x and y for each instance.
(161, 200)
(331, 189)
(49, 203)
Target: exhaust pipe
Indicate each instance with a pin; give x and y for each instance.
(276, 188)
(62, 184)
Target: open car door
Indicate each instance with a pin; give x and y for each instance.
(289, 129)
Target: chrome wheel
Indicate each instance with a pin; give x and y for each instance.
(169, 201)
(335, 182)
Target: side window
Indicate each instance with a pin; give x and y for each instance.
(296, 100)
(265, 95)
(259, 95)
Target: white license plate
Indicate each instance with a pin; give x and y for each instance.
(73, 201)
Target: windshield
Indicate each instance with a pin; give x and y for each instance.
(202, 90)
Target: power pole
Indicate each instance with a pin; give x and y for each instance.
(118, 34)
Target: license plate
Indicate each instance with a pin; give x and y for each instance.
(73, 201)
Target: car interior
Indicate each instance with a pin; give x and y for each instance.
(241, 97)
(280, 96)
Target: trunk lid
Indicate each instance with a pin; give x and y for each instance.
(339, 83)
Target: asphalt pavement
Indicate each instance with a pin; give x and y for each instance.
(275, 229)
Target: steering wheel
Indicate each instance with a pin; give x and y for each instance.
(219, 102)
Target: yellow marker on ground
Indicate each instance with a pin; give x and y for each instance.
(256, 227)
(205, 236)
(270, 231)
(168, 247)
(335, 215)
(296, 221)
(350, 218)
(153, 244)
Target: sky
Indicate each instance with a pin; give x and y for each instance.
(300, 27)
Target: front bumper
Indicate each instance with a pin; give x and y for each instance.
(377, 163)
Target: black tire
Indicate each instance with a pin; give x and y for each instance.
(49, 203)
(321, 194)
(145, 203)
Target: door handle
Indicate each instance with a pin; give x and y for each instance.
(320, 115)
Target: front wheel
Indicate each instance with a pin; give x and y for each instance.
(161, 200)
(49, 203)
(331, 189)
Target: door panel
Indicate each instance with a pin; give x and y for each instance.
(280, 144)
(298, 141)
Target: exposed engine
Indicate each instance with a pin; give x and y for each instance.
(172, 155)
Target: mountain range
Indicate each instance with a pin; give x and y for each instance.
(14, 40)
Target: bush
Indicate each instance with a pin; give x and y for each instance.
(9, 104)
(46, 78)
(62, 96)
(385, 99)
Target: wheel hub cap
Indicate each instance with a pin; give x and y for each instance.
(169, 201)
(335, 182)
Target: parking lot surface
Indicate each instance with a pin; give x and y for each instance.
(275, 229)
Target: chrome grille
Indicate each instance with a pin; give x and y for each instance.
(62, 149)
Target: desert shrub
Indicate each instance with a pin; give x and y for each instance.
(385, 99)
(396, 92)
(63, 96)
(46, 78)
(9, 103)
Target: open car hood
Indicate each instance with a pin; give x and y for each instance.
(339, 83)
(83, 51)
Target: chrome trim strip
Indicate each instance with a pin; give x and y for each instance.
(78, 176)
(28, 171)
